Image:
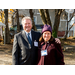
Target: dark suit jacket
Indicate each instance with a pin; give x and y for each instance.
(23, 53)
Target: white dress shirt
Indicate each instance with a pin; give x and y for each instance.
(29, 35)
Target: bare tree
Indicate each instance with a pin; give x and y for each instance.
(31, 15)
(17, 17)
(57, 21)
(67, 27)
(44, 13)
(47, 16)
(7, 28)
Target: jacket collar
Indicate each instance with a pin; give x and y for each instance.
(25, 37)
(45, 42)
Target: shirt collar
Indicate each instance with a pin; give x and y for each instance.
(27, 32)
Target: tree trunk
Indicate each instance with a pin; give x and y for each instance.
(17, 17)
(41, 11)
(68, 32)
(56, 25)
(7, 28)
(47, 17)
(67, 27)
(57, 21)
(31, 15)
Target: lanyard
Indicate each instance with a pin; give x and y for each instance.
(46, 48)
(44, 52)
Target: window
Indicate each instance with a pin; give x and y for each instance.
(63, 19)
(38, 12)
(63, 24)
(72, 21)
(64, 15)
(35, 19)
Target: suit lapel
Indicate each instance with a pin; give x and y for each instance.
(24, 36)
(33, 36)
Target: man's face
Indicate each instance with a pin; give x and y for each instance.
(27, 25)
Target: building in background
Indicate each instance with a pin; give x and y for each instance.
(38, 22)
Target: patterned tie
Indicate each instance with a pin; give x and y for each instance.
(29, 39)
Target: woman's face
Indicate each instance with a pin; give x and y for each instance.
(46, 36)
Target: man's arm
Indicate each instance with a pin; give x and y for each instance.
(15, 51)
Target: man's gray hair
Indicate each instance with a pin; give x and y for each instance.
(25, 18)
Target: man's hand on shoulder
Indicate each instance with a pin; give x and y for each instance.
(57, 41)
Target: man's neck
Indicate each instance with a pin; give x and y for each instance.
(27, 32)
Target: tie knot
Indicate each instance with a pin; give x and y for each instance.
(28, 33)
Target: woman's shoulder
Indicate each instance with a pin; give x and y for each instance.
(54, 44)
(57, 46)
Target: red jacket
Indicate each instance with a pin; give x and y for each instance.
(54, 54)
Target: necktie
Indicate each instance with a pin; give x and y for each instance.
(29, 39)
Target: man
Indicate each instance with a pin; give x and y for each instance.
(25, 44)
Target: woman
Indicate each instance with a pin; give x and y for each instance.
(49, 53)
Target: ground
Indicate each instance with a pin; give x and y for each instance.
(68, 47)
(6, 54)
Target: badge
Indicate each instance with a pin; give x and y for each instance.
(35, 43)
(43, 52)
